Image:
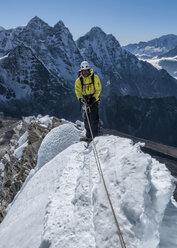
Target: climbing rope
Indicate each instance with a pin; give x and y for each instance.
(104, 183)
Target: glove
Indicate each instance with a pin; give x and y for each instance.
(82, 101)
(93, 101)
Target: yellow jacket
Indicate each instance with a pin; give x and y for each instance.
(88, 87)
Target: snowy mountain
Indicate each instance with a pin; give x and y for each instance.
(161, 53)
(171, 53)
(63, 202)
(9, 40)
(121, 72)
(167, 61)
(39, 64)
(54, 46)
(152, 48)
(25, 79)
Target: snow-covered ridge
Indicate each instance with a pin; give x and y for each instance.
(63, 204)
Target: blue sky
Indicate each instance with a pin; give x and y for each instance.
(130, 21)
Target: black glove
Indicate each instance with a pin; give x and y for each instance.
(92, 102)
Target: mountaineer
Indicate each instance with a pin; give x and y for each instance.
(88, 89)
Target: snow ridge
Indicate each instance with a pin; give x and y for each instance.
(64, 203)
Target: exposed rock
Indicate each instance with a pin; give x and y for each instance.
(21, 156)
(6, 133)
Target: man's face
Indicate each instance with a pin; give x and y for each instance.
(86, 73)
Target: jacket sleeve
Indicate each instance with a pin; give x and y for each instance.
(98, 87)
(78, 88)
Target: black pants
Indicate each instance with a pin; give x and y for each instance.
(94, 119)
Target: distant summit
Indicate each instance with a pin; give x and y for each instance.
(152, 48)
(160, 52)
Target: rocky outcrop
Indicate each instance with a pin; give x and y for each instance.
(6, 133)
(21, 156)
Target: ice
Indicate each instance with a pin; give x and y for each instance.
(64, 203)
(19, 151)
(6, 156)
(1, 166)
(19, 126)
(23, 139)
(22, 143)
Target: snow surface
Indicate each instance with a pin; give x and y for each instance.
(64, 204)
(56, 141)
(45, 120)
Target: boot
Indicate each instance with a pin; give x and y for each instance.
(85, 138)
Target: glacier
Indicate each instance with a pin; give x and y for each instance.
(63, 202)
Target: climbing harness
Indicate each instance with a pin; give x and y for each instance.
(104, 183)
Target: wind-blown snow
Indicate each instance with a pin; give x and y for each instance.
(56, 141)
(64, 203)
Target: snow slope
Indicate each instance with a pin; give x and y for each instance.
(64, 204)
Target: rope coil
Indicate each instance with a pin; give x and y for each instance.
(122, 242)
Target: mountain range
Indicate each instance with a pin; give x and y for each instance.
(54, 47)
(160, 52)
(39, 64)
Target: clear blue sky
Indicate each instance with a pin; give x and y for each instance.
(130, 21)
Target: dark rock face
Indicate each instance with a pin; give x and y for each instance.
(152, 119)
(28, 87)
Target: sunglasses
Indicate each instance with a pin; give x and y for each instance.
(86, 71)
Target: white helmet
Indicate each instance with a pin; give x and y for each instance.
(84, 66)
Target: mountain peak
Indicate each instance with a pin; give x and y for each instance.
(60, 24)
(96, 31)
(61, 28)
(37, 22)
